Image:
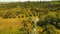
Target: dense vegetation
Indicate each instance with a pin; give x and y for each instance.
(47, 12)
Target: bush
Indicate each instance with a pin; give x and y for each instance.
(24, 30)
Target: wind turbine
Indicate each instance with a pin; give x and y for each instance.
(36, 20)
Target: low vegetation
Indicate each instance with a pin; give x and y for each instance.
(17, 17)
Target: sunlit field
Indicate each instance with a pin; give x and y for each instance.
(19, 17)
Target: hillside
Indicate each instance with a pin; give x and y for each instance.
(17, 17)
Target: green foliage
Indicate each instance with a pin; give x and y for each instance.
(35, 10)
(24, 30)
(48, 21)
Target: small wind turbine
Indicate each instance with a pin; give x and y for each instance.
(36, 20)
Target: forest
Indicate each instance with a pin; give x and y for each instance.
(17, 17)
